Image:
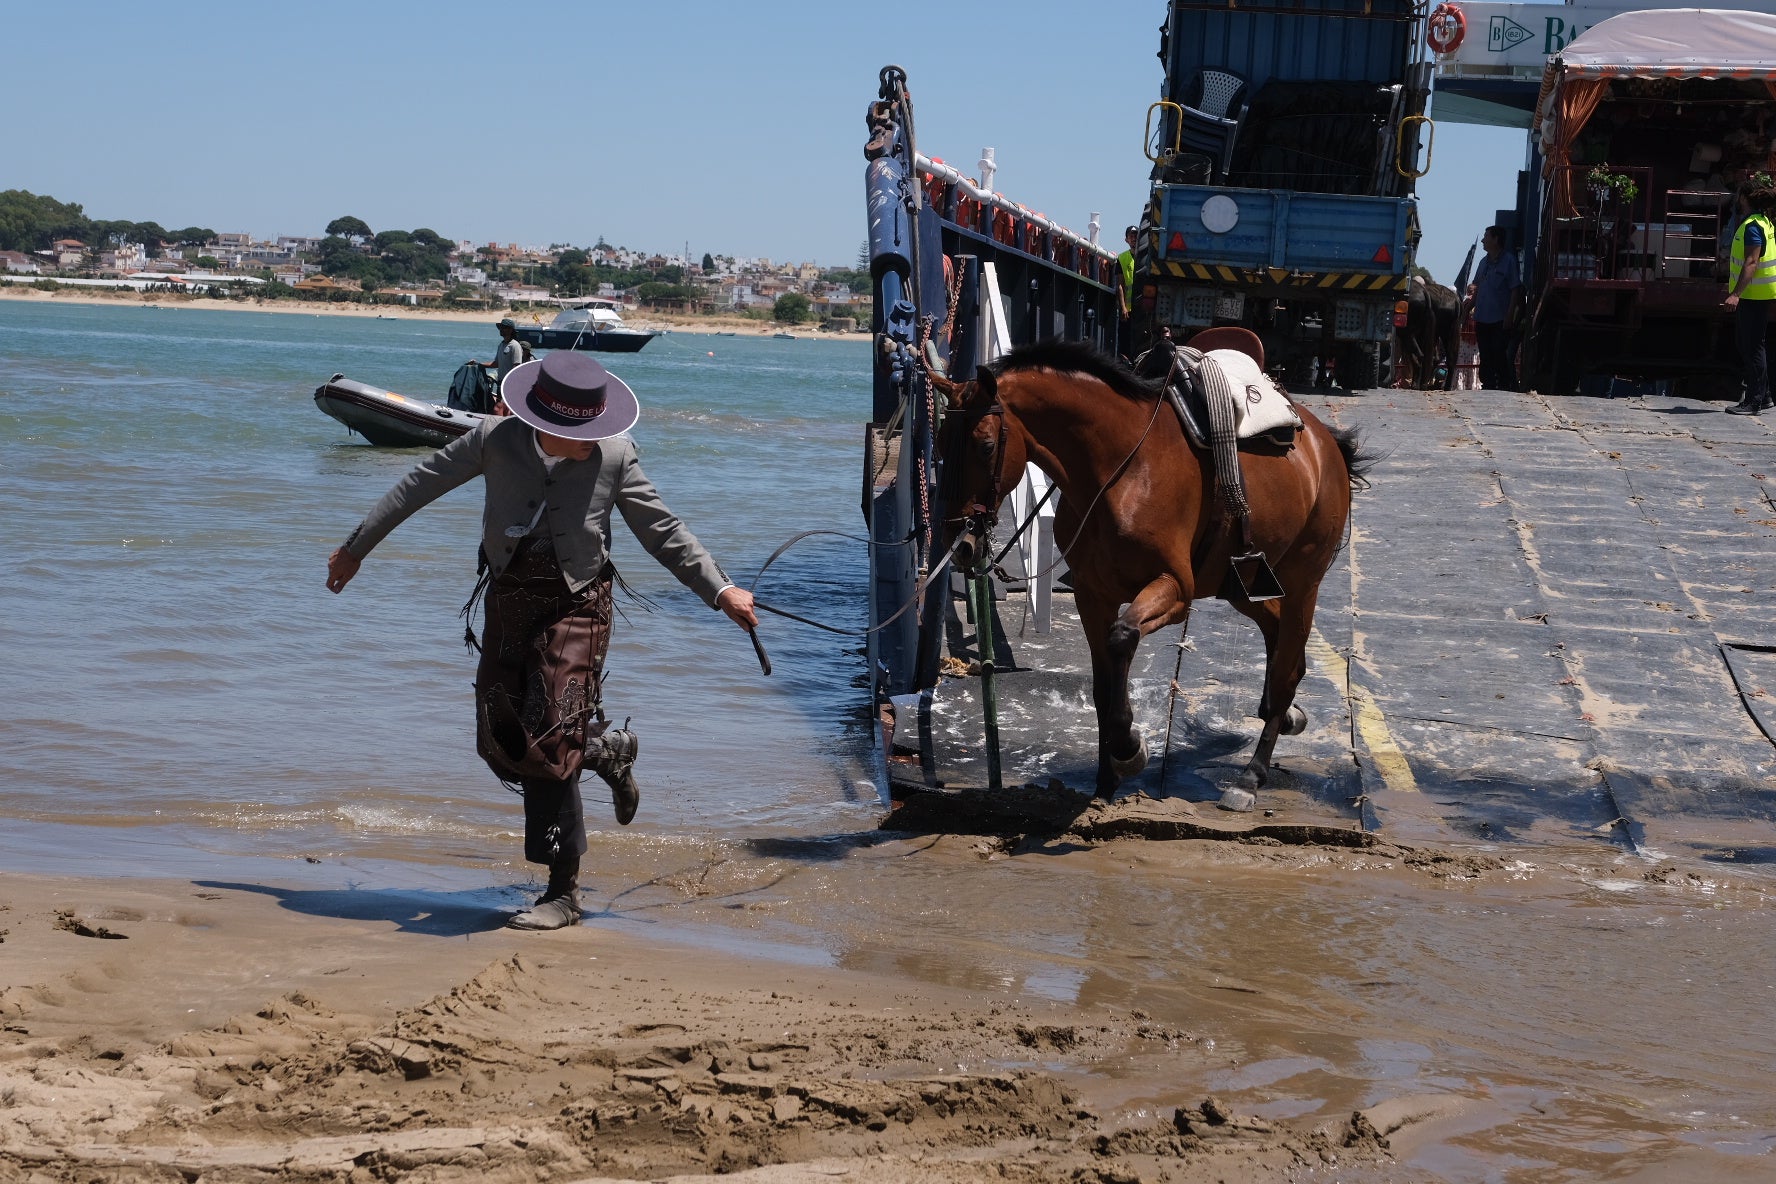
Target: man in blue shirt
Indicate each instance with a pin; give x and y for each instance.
(1495, 290)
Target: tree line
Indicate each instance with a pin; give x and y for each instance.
(31, 222)
(352, 250)
(380, 259)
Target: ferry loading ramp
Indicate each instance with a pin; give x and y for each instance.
(1554, 623)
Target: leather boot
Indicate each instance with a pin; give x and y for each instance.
(559, 905)
(612, 757)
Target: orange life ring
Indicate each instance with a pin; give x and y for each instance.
(968, 212)
(1003, 231)
(1446, 28)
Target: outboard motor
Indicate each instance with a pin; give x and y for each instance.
(472, 389)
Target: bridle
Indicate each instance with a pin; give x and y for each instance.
(978, 517)
(978, 520)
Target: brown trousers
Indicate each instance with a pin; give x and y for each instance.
(538, 691)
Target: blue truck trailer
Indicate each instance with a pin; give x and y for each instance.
(1285, 148)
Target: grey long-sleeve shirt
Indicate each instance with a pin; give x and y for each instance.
(576, 499)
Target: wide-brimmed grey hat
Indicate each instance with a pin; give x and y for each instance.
(571, 396)
(508, 323)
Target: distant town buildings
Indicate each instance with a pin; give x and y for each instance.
(491, 272)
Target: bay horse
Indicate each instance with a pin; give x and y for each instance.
(1140, 519)
(1433, 326)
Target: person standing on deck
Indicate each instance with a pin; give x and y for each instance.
(508, 357)
(1751, 289)
(1496, 290)
(1125, 297)
(554, 470)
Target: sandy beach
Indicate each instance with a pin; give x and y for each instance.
(740, 326)
(219, 1032)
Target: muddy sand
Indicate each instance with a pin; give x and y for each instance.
(161, 1031)
(1323, 1013)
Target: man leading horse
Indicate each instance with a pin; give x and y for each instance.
(555, 469)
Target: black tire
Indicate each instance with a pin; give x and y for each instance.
(1360, 368)
(1567, 372)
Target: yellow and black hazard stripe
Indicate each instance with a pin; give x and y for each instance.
(1332, 281)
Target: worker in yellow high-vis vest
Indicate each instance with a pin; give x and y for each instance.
(1751, 292)
(1125, 297)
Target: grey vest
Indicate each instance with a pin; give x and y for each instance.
(576, 499)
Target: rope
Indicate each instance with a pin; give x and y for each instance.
(1102, 490)
(1165, 754)
(1028, 518)
(918, 591)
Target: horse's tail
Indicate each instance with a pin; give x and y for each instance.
(1358, 460)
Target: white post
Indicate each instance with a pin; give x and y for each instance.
(1035, 548)
(1042, 554)
(1092, 227)
(987, 169)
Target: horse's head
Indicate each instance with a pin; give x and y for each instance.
(983, 461)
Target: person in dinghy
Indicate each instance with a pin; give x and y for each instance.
(554, 471)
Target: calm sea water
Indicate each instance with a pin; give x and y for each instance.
(179, 681)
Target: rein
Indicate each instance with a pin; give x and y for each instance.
(1115, 476)
(976, 511)
(918, 590)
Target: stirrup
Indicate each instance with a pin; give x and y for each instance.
(1256, 579)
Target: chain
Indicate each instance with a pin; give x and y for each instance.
(924, 461)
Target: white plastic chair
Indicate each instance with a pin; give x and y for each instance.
(1208, 128)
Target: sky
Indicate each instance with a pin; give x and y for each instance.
(737, 128)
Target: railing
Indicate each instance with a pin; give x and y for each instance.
(958, 199)
(1610, 237)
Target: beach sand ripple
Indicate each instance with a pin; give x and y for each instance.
(579, 1056)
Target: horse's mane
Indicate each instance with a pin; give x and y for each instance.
(1077, 357)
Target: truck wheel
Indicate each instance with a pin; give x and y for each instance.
(1360, 368)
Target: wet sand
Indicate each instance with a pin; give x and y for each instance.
(907, 1008)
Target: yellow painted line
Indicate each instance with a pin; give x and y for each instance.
(1366, 715)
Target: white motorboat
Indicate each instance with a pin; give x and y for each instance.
(587, 324)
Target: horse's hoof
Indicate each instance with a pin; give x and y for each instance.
(1127, 766)
(1294, 721)
(1240, 801)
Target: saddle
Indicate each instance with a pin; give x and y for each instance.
(1223, 398)
(1262, 411)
